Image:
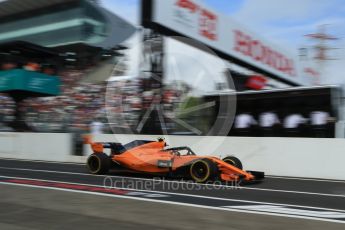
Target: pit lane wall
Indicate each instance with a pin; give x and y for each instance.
(294, 157)
(37, 146)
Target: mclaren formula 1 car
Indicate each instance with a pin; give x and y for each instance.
(153, 157)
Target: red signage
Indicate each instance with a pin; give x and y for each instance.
(311, 72)
(256, 50)
(207, 22)
(256, 82)
(225, 36)
(188, 4)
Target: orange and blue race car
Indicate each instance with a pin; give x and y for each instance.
(154, 158)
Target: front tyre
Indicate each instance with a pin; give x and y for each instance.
(98, 163)
(203, 170)
(234, 161)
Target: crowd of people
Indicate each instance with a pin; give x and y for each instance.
(88, 107)
(30, 65)
(6, 112)
(129, 104)
(122, 104)
(78, 105)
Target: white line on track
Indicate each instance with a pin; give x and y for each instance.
(182, 182)
(267, 176)
(180, 203)
(305, 179)
(179, 194)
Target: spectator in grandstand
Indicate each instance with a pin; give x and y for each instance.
(9, 65)
(49, 70)
(268, 122)
(293, 124)
(32, 66)
(6, 112)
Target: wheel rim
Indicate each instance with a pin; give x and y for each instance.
(200, 171)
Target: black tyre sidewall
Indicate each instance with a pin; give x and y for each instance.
(234, 161)
(103, 163)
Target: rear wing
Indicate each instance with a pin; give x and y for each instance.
(98, 147)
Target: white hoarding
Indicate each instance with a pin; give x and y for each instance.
(192, 19)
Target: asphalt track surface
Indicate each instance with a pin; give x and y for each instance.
(153, 203)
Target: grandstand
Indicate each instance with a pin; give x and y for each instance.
(28, 71)
(78, 40)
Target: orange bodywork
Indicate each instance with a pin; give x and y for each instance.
(145, 158)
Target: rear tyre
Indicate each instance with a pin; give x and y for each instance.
(203, 170)
(98, 163)
(234, 161)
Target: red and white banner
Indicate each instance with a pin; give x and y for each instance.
(192, 19)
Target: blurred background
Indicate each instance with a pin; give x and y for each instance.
(177, 67)
(261, 80)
